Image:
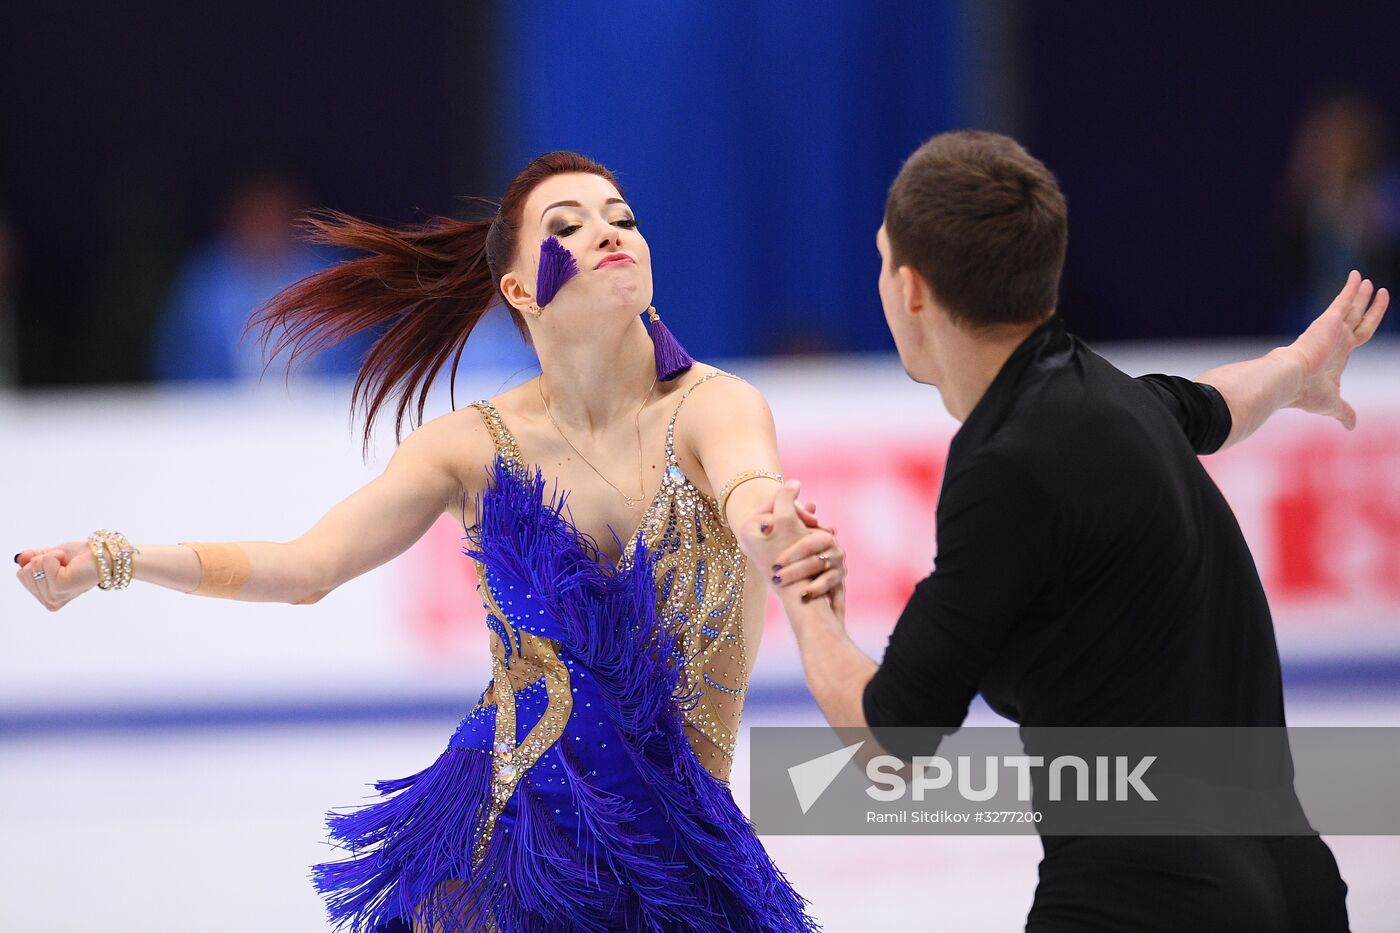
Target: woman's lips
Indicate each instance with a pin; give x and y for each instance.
(613, 260)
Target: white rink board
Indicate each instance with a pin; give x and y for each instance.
(264, 463)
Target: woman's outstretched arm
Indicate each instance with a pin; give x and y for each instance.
(732, 434)
(426, 476)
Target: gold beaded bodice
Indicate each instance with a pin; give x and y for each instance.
(699, 585)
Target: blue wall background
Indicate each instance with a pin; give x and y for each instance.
(756, 147)
(756, 142)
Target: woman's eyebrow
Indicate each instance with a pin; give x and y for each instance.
(576, 204)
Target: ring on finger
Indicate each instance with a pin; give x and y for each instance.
(39, 574)
(825, 559)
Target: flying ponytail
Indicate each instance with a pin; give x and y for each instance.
(424, 286)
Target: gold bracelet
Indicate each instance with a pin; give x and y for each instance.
(120, 550)
(112, 552)
(104, 571)
(739, 480)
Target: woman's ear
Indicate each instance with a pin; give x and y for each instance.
(515, 293)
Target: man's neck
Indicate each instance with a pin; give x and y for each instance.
(970, 360)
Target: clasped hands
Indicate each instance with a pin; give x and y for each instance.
(802, 555)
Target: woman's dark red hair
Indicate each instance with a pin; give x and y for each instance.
(425, 285)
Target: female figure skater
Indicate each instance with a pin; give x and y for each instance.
(587, 788)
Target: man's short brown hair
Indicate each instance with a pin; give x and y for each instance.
(984, 223)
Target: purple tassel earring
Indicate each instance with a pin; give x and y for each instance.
(671, 358)
(557, 266)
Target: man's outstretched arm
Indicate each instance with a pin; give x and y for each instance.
(1306, 374)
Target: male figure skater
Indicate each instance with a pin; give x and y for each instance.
(1089, 573)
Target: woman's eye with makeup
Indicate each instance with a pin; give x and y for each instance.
(627, 223)
(565, 231)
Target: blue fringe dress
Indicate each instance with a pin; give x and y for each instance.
(587, 789)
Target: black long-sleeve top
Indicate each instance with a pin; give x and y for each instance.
(1088, 572)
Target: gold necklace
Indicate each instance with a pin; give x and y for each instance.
(641, 484)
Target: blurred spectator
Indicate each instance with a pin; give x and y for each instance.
(224, 281)
(9, 316)
(257, 254)
(1341, 208)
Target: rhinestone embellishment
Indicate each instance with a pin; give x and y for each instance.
(699, 577)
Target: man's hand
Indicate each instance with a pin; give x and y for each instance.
(1307, 373)
(1323, 349)
(816, 564)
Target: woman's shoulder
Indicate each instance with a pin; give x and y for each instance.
(463, 441)
(463, 427)
(511, 405)
(709, 387)
(716, 404)
(700, 371)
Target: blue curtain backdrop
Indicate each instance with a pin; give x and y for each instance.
(756, 143)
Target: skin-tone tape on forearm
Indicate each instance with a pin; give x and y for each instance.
(223, 568)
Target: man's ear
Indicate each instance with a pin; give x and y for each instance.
(515, 293)
(916, 293)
